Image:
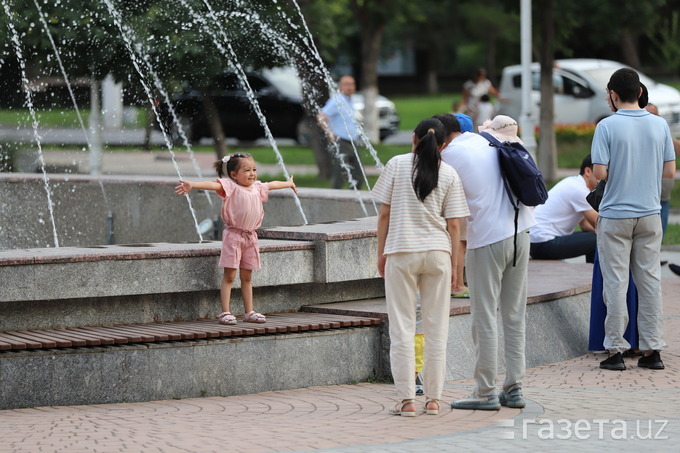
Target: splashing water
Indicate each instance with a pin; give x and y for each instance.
(333, 89)
(73, 97)
(281, 44)
(229, 53)
(29, 104)
(128, 36)
(175, 119)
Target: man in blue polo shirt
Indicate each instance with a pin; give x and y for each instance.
(632, 150)
(339, 123)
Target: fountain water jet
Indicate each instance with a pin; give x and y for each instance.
(29, 105)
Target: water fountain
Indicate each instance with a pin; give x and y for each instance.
(156, 276)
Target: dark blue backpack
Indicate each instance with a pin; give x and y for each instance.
(522, 179)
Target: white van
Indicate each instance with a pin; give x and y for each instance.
(580, 88)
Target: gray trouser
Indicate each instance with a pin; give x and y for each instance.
(494, 283)
(349, 157)
(633, 244)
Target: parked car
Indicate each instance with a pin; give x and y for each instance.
(580, 89)
(279, 94)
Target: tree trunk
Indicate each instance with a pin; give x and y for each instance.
(547, 145)
(491, 50)
(314, 94)
(432, 61)
(148, 127)
(213, 117)
(371, 39)
(95, 124)
(629, 48)
(372, 25)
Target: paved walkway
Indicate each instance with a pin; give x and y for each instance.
(573, 405)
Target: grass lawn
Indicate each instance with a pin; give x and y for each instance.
(412, 109)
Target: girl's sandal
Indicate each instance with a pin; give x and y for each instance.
(397, 409)
(431, 411)
(255, 317)
(227, 318)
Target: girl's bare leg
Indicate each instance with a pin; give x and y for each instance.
(225, 288)
(460, 275)
(247, 289)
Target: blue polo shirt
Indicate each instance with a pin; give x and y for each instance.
(340, 113)
(633, 144)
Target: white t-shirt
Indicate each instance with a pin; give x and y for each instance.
(562, 212)
(417, 226)
(492, 218)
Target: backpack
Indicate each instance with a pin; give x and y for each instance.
(522, 179)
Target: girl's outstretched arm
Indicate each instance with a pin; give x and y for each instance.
(186, 186)
(273, 185)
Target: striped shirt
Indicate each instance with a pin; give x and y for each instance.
(417, 226)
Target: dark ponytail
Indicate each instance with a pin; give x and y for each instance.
(225, 168)
(425, 175)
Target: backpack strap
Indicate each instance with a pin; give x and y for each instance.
(493, 141)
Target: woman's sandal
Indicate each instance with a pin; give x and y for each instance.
(227, 318)
(431, 411)
(254, 316)
(397, 409)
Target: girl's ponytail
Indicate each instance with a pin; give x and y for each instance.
(425, 175)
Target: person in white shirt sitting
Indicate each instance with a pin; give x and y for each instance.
(553, 237)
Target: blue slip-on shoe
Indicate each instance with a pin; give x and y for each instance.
(512, 399)
(478, 403)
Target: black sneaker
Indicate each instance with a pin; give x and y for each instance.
(614, 362)
(675, 268)
(651, 361)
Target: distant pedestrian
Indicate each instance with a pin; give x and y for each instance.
(339, 123)
(422, 200)
(242, 212)
(473, 90)
(632, 150)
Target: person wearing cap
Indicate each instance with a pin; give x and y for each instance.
(495, 284)
(553, 237)
(632, 149)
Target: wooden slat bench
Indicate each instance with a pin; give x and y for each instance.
(174, 331)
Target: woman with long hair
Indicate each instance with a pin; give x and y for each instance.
(418, 235)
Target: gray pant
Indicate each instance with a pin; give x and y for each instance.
(339, 175)
(633, 244)
(495, 283)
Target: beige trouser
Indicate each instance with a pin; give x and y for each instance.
(405, 274)
(633, 244)
(494, 283)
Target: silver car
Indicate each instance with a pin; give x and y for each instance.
(580, 90)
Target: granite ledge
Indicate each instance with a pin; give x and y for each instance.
(123, 252)
(365, 227)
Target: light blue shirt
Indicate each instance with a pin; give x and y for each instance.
(633, 144)
(340, 113)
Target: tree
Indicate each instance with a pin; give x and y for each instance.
(547, 145)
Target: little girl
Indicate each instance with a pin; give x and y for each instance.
(242, 213)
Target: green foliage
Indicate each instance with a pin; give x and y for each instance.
(667, 40)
